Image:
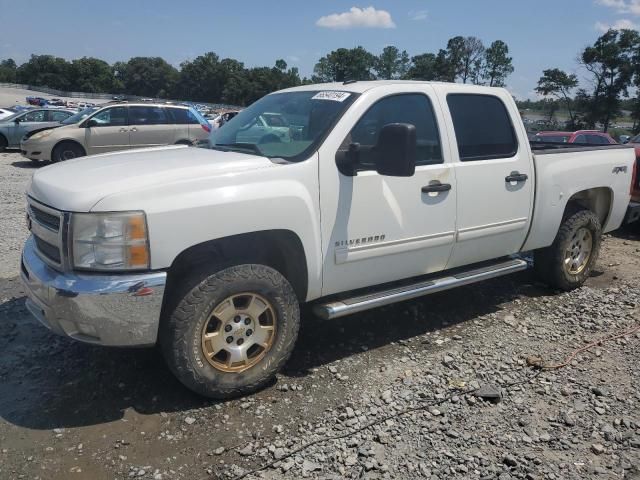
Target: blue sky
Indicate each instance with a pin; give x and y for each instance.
(540, 34)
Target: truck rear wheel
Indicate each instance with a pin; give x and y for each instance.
(568, 262)
(230, 334)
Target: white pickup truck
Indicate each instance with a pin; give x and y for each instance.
(389, 190)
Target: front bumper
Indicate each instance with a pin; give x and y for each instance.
(35, 150)
(111, 310)
(633, 212)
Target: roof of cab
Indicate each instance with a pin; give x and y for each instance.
(358, 86)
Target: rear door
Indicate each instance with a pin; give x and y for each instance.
(494, 175)
(149, 126)
(110, 132)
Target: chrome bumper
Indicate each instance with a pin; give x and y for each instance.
(112, 310)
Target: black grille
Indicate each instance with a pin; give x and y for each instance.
(46, 219)
(48, 250)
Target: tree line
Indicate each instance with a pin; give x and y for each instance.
(612, 64)
(209, 78)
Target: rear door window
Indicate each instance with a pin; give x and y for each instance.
(183, 116)
(580, 139)
(147, 116)
(483, 127)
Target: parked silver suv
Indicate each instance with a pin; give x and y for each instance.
(119, 126)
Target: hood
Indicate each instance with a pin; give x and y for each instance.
(77, 185)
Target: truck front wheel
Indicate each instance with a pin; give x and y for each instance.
(230, 334)
(568, 262)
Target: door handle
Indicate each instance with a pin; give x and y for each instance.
(516, 177)
(436, 187)
(134, 129)
(123, 130)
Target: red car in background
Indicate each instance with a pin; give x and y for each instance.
(587, 137)
(633, 213)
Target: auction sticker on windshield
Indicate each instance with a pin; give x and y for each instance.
(331, 95)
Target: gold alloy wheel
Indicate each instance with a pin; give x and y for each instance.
(578, 253)
(239, 332)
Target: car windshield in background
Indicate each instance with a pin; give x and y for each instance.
(635, 139)
(553, 138)
(10, 117)
(283, 125)
(78, 117)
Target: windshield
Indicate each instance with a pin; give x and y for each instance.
(283, 125)
(635, 139)
(81, 115)
(10, 118)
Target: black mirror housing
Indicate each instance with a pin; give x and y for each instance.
(396, 150)
(91, 123)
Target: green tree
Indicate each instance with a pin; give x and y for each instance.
(204, 79)
(611, 63)
(423, 67)
(559, 84)
(497, 65)
(392, 63)
(91, 75)
(148, 77)
(464, 56)
(45, 71)
(8, 70)
(345, 64)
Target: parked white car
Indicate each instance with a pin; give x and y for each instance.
(210, 252)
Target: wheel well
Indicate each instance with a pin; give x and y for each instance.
(184, 142)
(598, 200)
(281, 250)
(2, 137)
(67, 141)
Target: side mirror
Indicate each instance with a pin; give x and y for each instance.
(396, 150)
(17, 121)
(91, 123)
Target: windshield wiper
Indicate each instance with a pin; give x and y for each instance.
(251, 147)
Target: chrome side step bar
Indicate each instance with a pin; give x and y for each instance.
(347, 306)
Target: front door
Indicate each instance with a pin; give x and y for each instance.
(149, 127)
(494, 176)
(27, 122)
(109, 131)
(376, 228)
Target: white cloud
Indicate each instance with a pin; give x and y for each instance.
(357, 17)
(622, 24)
(419, 15)
(622, 6)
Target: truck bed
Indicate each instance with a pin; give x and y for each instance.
(565, 170)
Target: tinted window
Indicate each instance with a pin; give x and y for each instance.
(115, 116)
(552, 138)
(58, 116)
(147, 116)
(597, 140)
(483, 127)
(37, 116)
(414, 109)
(182, 116)
(580, 139)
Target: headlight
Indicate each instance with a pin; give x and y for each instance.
(110, 241)
(39, 135)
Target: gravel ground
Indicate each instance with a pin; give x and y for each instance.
(15, 173)
(69, 410)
